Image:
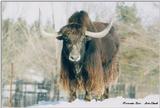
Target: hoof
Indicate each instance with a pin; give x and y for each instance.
(72, 99)
(99, 98)
(105, 96)
(88, 98)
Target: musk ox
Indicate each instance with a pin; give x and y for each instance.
(89, 57)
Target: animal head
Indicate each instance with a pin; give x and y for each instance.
(76, 34)
(74, 41)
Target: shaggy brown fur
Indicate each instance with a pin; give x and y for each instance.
(99, 66)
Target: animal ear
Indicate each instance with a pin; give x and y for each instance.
(60, 37)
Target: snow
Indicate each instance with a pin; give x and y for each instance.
(6, 94)
(111, 102)
(42, 91)
(34, 76)
(7, 87)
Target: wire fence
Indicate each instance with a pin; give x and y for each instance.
(25, 93)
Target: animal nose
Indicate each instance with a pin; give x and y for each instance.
(74, 57)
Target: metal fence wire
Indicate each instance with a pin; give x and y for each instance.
(25, 93)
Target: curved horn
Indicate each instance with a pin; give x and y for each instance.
(42, 31)
(100, 34)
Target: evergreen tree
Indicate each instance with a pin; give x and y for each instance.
(127, 14)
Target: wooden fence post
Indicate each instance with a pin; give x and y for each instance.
(11, 81)
(131, 91)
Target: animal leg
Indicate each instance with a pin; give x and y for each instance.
(88, 96)
(99, 98)
(72, 96)
(106, 94)
(72, 93)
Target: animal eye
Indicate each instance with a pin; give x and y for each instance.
(67, 41)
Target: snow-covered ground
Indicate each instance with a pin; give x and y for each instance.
(151, 101)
